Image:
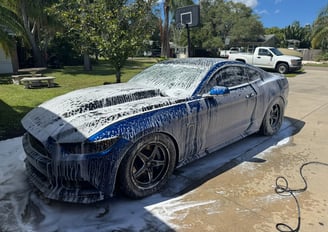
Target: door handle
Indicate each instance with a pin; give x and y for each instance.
(250, 95)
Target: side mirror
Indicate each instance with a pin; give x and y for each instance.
(217, 90)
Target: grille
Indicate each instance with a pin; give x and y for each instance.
(38, 146)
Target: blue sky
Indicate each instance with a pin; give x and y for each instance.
(281, 13)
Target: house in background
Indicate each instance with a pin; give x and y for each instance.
(6, 65)
(270, 41)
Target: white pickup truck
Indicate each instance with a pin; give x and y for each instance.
(269, 58)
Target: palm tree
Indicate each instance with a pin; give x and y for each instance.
(29, 20)
(33, 16)
(296, 32)
(10, 26)
(320, 30)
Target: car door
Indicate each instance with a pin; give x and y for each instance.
(264, 58)
(230, 114)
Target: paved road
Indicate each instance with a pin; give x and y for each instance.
(309, 68)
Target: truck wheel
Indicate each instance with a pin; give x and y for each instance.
(282, 68)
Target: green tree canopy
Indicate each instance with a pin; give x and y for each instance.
(226, 21)
(77, 18)
(296, 32)
(122, 28)
(113, 28)
(320, 30)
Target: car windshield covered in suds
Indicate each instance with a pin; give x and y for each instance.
(173, 79)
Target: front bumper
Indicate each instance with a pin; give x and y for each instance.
(297, 65)
(78, 181)
(295, 68)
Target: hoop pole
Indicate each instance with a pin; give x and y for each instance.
(189, 42)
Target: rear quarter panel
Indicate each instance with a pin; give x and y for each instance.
(273, 86)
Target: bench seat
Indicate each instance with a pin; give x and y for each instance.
(17, 78)
(30, 82)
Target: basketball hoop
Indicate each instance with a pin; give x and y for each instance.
(188, 16)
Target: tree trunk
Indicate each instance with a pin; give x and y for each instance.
(118, 76)
(14, 59)
(38, 61)
(86, 62)
(165, 52)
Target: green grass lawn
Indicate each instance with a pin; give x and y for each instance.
(15, 101)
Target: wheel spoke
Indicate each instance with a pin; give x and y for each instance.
(274, 115)
(150, 175)
(144, 158)
(139, 172)
(158, 163)
(154, 153)
(140, 168)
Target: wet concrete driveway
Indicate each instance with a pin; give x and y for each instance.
(243, 198)
(230, 190)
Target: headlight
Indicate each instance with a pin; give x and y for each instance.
(295, 62)
(88, 147)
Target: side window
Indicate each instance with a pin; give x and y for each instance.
(231, 76)
(253, 74)
(228, 77)
(263, 52)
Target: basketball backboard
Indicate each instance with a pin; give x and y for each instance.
(188, 15)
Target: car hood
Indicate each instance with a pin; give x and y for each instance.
(288, 57)
(76, 116)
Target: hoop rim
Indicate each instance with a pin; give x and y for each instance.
(180, 26)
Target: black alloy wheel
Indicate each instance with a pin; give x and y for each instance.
(146, 167)
(273, 118)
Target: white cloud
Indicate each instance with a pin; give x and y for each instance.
(277, 1)
(249, 3)
(277, 11)
(261, 12)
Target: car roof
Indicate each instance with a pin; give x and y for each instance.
(196, 62)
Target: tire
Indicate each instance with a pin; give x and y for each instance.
(282, 68)
(273, 117)
(147, 166)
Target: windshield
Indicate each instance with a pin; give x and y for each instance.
(175, 80)
(276, 51)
